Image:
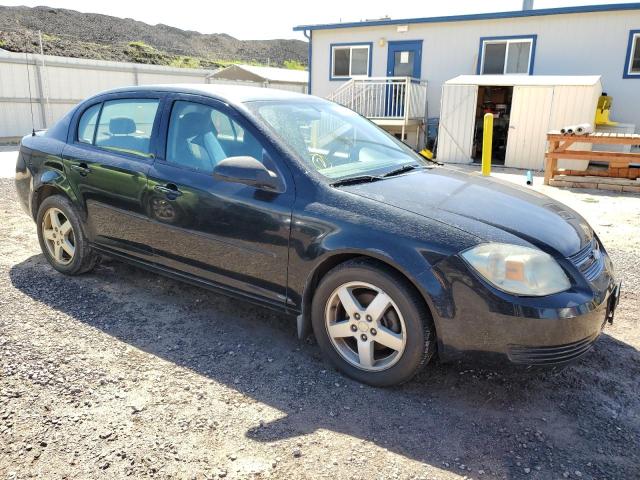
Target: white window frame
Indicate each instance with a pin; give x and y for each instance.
(634, 44)
(508, 42)
(366, 46)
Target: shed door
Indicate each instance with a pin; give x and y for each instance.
(457, 120)
(528, 126)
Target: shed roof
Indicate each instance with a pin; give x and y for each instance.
(528, 80)
(261, 74)
(478, 16)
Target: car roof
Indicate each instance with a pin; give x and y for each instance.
(234, 94)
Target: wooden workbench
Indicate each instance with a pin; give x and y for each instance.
(559, 143)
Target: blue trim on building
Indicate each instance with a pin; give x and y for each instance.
(479, 16)
(533, 37)
(417, 44)
(348, 44)
(309, 58)
(627, 62)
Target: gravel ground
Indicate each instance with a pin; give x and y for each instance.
(122, 373)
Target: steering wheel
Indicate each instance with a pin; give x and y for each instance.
(319, 161)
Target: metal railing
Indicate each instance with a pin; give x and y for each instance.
(378, 98)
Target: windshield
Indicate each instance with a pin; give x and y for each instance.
(333, 140)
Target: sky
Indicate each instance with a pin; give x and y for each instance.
(264, 19)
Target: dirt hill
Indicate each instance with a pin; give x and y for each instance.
(89, 35)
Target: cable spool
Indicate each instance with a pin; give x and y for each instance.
(583, 129)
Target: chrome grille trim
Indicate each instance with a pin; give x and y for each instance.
(589, 260)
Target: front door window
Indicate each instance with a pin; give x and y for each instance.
(403, 63)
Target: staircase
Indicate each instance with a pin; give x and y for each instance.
(385, 100)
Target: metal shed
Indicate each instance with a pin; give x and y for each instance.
(537, 104)
(271, 77)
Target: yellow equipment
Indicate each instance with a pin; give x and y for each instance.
(603, 110)
(426, 153)
(487, 141)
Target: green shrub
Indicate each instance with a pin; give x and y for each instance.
(294, 65)
(49, 38)
(185, 62)
(141, 45)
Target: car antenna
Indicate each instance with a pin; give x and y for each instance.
(26, 57)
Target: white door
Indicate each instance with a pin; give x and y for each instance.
(528, 126)
(457, 120)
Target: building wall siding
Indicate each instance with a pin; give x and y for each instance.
(571, 44)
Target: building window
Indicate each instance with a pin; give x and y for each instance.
(504, 55)
(632, 63)
(350, 61)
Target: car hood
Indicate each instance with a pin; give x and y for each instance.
(480, 206)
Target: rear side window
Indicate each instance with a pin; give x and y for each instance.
(125, 126)
(87, 125)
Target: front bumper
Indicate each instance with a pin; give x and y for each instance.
(552, 354)
(532, 331)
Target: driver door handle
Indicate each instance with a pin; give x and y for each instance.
(170, 190)
(81, 168)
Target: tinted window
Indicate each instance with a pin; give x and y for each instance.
(341, 60)
(350, 61)
(359, 61)
(87, 124)
(125, 125)
(494, 54)
(200, 136)
(509, 56)
(518, 57)
(635, 55)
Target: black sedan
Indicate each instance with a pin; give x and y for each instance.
(299, 204)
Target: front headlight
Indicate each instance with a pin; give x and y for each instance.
(517, 270)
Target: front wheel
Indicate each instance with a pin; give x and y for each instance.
(372, 324)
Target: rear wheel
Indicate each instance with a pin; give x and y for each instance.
(372, 324)
(61, 237)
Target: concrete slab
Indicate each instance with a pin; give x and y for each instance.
(8, 158)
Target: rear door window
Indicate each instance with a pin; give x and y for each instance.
(87, 124)
(125, 126)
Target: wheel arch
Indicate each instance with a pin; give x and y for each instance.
(337, 258)
(50, 183)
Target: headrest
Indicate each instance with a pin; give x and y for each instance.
(195, 123)
(122, 126)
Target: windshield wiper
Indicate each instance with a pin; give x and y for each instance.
(355, 179)
(402, 169)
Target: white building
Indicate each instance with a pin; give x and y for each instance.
(385, 68)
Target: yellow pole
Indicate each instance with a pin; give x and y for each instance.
(487, 140)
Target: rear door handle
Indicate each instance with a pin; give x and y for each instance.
(169, 190)
(82, 168)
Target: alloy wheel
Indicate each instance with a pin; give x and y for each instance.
(58, 236)
(365, 326)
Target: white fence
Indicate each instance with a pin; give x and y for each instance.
(394, 98)
(50, 86)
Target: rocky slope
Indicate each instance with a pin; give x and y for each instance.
(88, 35)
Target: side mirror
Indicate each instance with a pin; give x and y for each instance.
(248, 171)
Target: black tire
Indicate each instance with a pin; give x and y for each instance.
(420, 343)
(84, 257)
